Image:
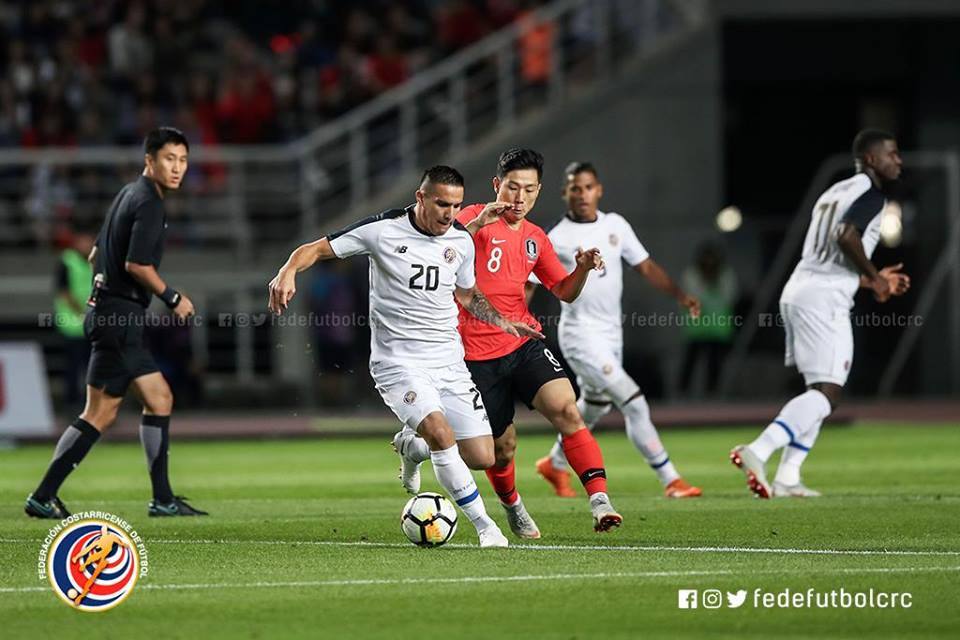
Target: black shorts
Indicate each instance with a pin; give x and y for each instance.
(518, 375)
(118, 353)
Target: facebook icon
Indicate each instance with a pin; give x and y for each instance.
(687, 598)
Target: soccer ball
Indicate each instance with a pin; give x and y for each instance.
(429, 520)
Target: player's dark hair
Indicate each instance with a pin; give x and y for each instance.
(514, 159)
(576, 167)
(442, 174)
(865, 140)
(161, 136)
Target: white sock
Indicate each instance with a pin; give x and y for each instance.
(416, 448)
(454, 476)
(794, 455)
(798, 417)
(644, 436)
(591, 413)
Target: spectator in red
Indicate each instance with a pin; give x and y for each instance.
(386, 67)
(459, 24)
(246, 107)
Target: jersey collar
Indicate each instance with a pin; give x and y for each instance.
(150, 185)
(411, 216)
(569, 216)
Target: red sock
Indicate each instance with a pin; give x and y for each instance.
(583, 454)
(504, 481)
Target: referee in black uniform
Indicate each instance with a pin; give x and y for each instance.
(125, 258)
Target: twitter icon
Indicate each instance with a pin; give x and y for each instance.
(736, 600)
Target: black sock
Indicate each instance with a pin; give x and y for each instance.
(155, 438)
(73, 445)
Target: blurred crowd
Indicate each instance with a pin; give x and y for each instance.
(237, 71)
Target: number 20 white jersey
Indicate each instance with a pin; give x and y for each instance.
(825, 278)
(413, 315)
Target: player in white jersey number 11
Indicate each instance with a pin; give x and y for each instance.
(815, 305)
(421, 262)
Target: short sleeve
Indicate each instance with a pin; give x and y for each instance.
(633, 250)
(145, 233)
(466, 275)
(357, 239)
(864, 209)
(549, 270)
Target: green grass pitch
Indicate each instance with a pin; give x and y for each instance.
(304, 541)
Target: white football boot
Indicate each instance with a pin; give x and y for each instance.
(747, 461)
(409, 469)
(605, 517)
(798, 490)
(520, 521)
(492, 538)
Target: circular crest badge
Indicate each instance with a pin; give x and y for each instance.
(93, 565)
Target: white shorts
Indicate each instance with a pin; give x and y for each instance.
(599, 369)
(818, 343)
(413, 392)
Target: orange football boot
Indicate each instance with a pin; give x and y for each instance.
(558, 479)
(680, 488)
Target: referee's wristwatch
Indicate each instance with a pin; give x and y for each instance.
(170, 297)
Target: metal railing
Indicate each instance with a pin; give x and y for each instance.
(237, 194)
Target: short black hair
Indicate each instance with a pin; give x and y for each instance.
(161, 136)
(865, 140)
(442, 174)
(514, 159)
(577, 167)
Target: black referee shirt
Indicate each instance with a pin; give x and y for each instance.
(134, 231)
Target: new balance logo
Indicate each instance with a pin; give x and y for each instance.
(401, 249)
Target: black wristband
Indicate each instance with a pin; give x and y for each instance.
(170, 297)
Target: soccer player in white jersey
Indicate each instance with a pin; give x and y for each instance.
(421, 261)
(591, 328)
(815, 305)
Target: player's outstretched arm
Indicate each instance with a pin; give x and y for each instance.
(570, 287)
(662, 281)
(283, 286)
(488, 215)
(848, 238)
(480, 308)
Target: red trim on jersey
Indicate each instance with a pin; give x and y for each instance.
(505, 259)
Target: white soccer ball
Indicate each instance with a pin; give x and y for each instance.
(429, 520)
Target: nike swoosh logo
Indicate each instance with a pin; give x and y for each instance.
(495, 241)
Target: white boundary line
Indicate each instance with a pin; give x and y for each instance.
(523, 578)
(551, 547)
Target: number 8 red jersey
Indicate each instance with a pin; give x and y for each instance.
(505, 258)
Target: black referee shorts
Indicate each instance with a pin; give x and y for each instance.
(118, 353)
(517, 375)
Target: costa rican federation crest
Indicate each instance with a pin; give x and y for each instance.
(449, 255)
(532, 249)
(410, 397)
(93, 565)
(614, 239)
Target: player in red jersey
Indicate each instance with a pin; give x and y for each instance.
(508, 249)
